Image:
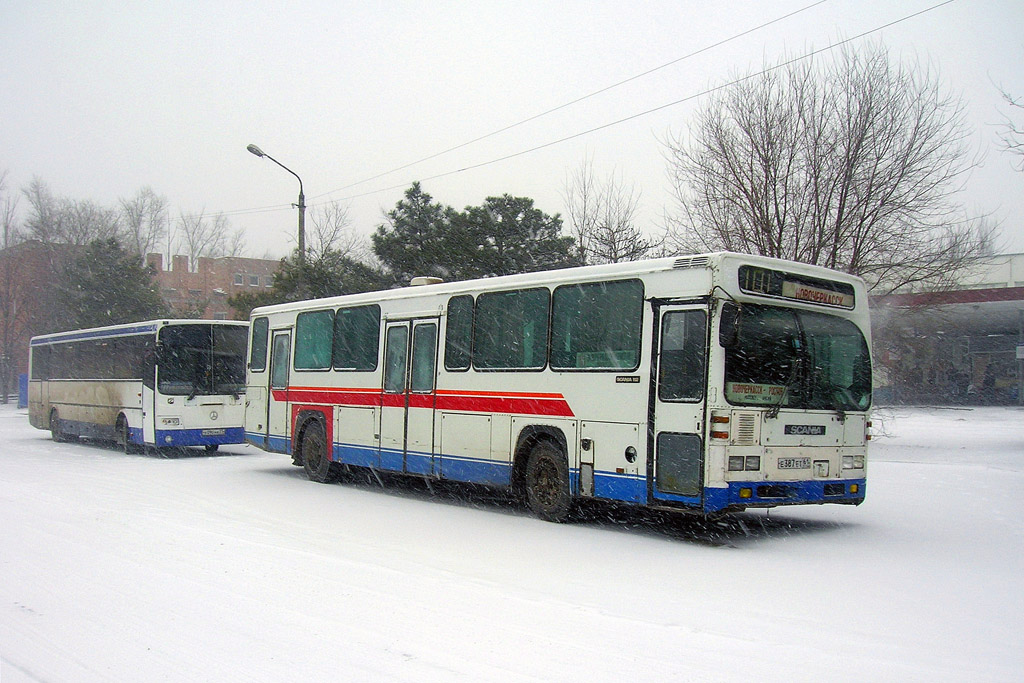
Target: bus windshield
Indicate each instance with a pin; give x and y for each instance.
(797, 359)
(201, 360)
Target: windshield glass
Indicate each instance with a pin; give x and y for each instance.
(202, 359)
(797, 359)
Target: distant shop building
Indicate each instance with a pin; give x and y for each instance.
(959, 346)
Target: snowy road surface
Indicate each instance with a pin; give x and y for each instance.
(236, 568)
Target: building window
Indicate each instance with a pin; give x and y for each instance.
(239, 279)
(220, 316)
(195, 293)
(254, 280)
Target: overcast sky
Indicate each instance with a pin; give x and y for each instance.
(99, 99)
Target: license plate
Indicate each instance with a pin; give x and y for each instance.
(794, 463)
(213, 432)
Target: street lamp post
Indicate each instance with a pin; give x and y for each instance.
(302, 202)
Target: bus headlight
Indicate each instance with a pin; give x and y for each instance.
(753, 462)
(736, 463)
(853, 462)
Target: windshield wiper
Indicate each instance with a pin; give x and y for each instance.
(773, 410)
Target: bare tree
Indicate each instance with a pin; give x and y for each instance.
(856, 165)
(208, 236)
(1011, 132)
(144, 221)
(602, 216)
(330, 230)
(12, 291)
(63, 221)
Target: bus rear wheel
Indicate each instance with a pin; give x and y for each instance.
(124, 436)
(56, 431)
(547, 483)
(314, 454)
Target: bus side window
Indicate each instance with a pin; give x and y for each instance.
(681, 369)
(458, 335)
(258, 346)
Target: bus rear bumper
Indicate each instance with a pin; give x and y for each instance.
(764, 494)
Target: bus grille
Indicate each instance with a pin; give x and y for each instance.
(746, 429)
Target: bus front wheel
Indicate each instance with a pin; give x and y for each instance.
(124, 438)
(314, 454)
(547, 483)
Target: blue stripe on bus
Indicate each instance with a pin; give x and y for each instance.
(630, 488)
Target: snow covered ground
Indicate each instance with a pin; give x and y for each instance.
(236, 568)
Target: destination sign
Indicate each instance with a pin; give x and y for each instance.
(796, 287)
(793, 290)
(739, 392)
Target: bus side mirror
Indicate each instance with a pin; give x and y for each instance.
(729, 325)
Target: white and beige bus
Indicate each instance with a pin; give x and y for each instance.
(156, 383)
(706, 383)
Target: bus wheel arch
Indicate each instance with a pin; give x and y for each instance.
(56, 432)
(311, 447)
(123, 434)
(541, 474)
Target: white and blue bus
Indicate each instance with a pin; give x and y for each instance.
(705, 383)
(156, 383)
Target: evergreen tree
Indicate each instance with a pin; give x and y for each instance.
(416, 239)
(508, 235)
(504, 236)
(328, 273)
(105, 284)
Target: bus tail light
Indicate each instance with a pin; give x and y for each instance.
(719, 429)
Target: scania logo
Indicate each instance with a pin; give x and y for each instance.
(806, 430)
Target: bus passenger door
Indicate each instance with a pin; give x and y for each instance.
(149, 402)
(278, 422)
(407, 404)
(676, 472)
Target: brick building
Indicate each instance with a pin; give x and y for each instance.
(204, 292)
(26, 278)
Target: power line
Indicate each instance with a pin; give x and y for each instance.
(612, 123)
(658, 108)
(577, 100)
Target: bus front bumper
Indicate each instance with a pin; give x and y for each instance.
(747, 494)
(199, 437)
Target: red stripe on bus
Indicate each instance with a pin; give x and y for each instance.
(520, 403)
